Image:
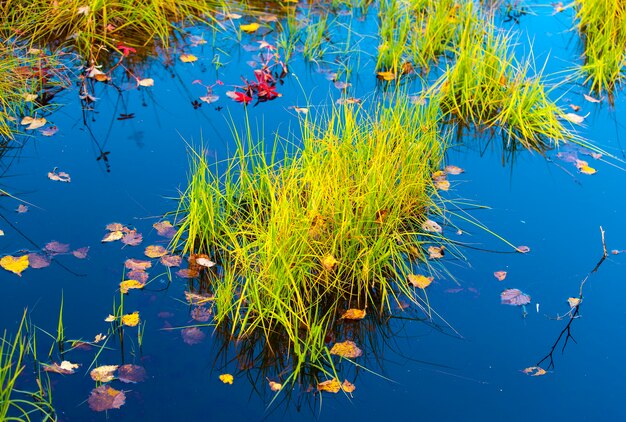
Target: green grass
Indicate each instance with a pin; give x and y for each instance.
(602, 25)
(335, 225)
(18, 405)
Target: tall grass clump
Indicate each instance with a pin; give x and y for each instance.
(336, 225)
(487, 88)
(602, 25)
(90, 25)
(18, 405)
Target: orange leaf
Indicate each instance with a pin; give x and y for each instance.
(131, 319)
(420, 281)
(500, 275)
(353, 314)
(126, 285)
(155, 251)
(330, 386)
(346, 349)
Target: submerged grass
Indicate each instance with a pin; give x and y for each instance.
(335, 226)
(602, 24)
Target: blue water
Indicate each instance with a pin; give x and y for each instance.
(418, 370)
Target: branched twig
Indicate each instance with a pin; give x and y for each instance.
(574, 312)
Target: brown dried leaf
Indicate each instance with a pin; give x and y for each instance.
(66, 367)
(38, 261)
(59, 177)
(131, 373)
(106, 398)
(274, 386)
(139, 275)
(329, 262)
(500, 275)
(431, 226)
(137, 264)
(155, 251)
(171, 260)
(104, 373)
(192, 335)
(115, 227)
(201, 314)
(165, 229)
(346, 349)
(353, 314)
(330, 386)
(435, 252)
(347, 386)
(534, 371)
(132, 238)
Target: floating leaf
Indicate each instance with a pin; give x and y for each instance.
(59, 177)
(146, 82)
(329, 262)
(301, 110)
(574, 107)
(112, 236)
(341, 85)
(522, 249)
(201, 314)
(37, 261)
(110, 318)
(33, 122)
(386, 76)
(196, 299)
(209, 98)
(353, 314)
(188, 58)
(131, 373)
(165, 229)
(205, 262)
(514, 297)
(104, 373)
(454, 170)
(249, 28)
(139, 275)
(330, 386)
(500, 275)
(131, 319)
(274, 386)
(137, 264)
(192, 335)
(226, 378)
(347, 386)
(346, 349)
(419, 280)
(240, 97)
(14, 264)
(98, 338)
(534, 371)
(56, 248)
(431, 226)
(187, 273)
(573, 302)
(155, 251)
(443, 185)
(66, 367)
(584, 168)
(574, 118)
(21, 208)
(49, 131)
(81, 253)
(106, 398)
(115, 227)
(591, 99)
(436, 252)
(132, 238)
(126, 285)
(171, 260)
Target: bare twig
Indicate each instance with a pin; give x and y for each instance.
(574, 312)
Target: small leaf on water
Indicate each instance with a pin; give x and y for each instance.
(205, 262)
(131, 373)
(192, 335)
(573, 302)
(139, 275)
(574, 107)
(146, 82)
(514, 297)
(500, 275)
(201, 314)
(522, 249)
(115, 227)
(21, 209)
(386, 76)
(330, 386)
(443, 185)
(126, 285)
(346, 349)
(131, 320)
(188, 58)
(112, 236)
(106, 398)
(226, 378)
(37, 261)
(534, 371)
(55, 248)
(274, 386)
(209, 98)
(104, 373)
(66, 367)
(165, 229)
(49, 131)
(171, 260)
(196, 299)
(187, 273)
(347, 386)
(155, 251)
(98, 338)
(436, 252)
(431, 226)
(33, 122)
(419, 280)
(301, 110)
(353, 314)
(574, 118)
(249, 28)
(81, 253)
(110, 318)
(341, 85)
(591, 99)
(132, 238)
(584, 168)
(16, 265)
(454, 170)
(137, 264)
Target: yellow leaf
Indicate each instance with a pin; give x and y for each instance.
(99, 337)
(353, 314)
(442, 185)
(274, 386)
(346, 349)
(435, 252)
(331, 386)
(188, 58)
(573, 302)
(347, 386)
(226, 378)
(126, 285)
(131, 319)
(329, 262)
(29, 97)
(534, 371)
(103, 373)
(110, 318)
(113, 236)
(587, 170)
(421, 281)
(154, 251)
(14, 264)
(146, 82)
(386, 76)
(249, 28)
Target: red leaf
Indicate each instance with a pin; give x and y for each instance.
(240, 97)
